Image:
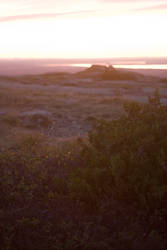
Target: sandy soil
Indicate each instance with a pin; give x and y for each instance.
(66, 107)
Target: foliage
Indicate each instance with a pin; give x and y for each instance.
(134, 149)
(106, 193)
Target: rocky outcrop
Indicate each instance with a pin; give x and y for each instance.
(100, 68)
(103, 72)
(94, 72)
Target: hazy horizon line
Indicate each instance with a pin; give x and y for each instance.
(77, 58)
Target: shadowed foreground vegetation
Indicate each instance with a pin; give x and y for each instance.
(109, 192)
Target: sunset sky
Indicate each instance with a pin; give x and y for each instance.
(83, 28)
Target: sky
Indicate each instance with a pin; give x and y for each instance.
(83, 28)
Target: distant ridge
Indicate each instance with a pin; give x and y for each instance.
(104, 72)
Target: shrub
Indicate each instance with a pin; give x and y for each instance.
(134, 149)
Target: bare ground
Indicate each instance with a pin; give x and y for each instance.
(63, 107)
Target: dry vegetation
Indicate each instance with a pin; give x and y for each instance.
(65, 188)
(106, 192)
(61, 105)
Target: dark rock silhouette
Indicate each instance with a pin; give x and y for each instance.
(103, 72)
(100, 68)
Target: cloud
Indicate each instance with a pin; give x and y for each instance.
(154, 7)
(140, 5)
(133, 1)
(42, 15)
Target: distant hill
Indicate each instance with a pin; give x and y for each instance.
(103, 72)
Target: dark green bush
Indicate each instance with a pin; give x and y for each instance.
(134, 149)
